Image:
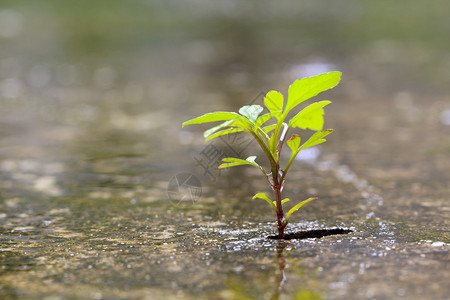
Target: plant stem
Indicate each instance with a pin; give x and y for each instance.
(281, 141)
(266, 150)
(280, 214)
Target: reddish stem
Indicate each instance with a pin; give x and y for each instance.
(280, 214)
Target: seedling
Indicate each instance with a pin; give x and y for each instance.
(271, 138)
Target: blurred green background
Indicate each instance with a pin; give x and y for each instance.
(166, 39)
(79, 67)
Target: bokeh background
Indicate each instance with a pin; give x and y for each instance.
(83, 73)
(93, 94)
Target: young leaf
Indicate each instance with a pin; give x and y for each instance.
(240, 122)
(223, 132)
(296, 207)
(285, 200)
(264, 197)
(310, 117)
(214, 129)
(274, 101)
(232, 162)
(303, 89)
(264, 118)
(294, 142)
(269, 128)
(316, 139)
(213, 117)
(251, 111)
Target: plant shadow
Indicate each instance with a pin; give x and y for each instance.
(308, 234)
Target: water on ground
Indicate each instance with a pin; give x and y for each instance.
(104, 196)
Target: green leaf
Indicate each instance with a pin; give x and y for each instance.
(294, 142)
(212, 130)
(232, 162)
(303, 89)
(296, 207)
(240, 122)
(264, 197)
(274, 101)
(264, 118)
(269, 128)
(213, 117)
(282, 201)
(285, 200)
(223, 132)
(310, 117)
(251, 111)
(316, 139)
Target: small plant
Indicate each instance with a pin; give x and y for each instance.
(271, 138)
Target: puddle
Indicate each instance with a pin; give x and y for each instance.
(104, 196)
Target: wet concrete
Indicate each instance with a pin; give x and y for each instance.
(90, 138)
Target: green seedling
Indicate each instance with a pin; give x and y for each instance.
(271, 138)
